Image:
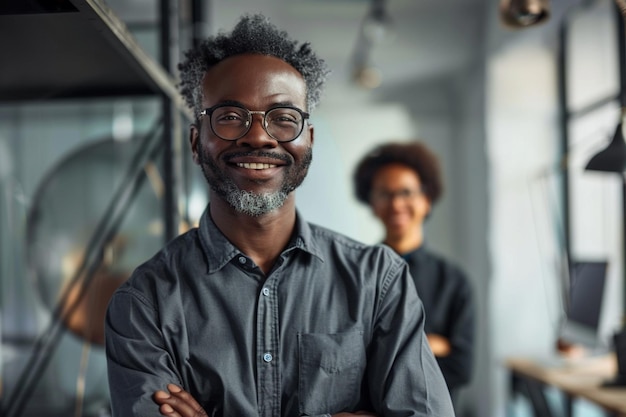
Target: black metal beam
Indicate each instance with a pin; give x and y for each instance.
(169, 17)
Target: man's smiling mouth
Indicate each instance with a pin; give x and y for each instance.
(255, 165)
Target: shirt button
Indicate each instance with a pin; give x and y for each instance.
(266, 291)
(267, 357)
(242, 260)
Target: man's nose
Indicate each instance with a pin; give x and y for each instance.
(257, 136)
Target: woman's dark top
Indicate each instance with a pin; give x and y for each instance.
(447, 296)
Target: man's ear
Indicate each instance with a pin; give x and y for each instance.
(311, 132)
(194, 142)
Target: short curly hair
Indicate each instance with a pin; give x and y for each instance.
(254, 34)
(415, 155)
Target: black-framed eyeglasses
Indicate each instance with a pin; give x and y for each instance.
(231, 122)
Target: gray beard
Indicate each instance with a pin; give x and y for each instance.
(255, 205)
(246, 202)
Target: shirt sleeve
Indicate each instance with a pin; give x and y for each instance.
(458, 365)
(138, 365)
(403, 376)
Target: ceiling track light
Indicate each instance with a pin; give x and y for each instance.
(375, 29)
(377, 23)
(519, 14)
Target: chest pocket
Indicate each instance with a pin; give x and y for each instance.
(331, 371)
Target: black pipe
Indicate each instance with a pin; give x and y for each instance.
(564, 117)
(621, 44)
(169, 42)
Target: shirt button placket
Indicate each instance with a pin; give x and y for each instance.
(267, 356)
(269, 372)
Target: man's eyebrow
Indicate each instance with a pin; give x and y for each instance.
(283, 104)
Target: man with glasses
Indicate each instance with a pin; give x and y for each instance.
(257, 312)
(401, 182)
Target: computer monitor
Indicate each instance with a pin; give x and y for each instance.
(582, 323)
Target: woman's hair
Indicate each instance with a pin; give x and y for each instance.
(252, 35)
(414, 155)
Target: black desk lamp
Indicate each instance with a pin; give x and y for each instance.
(613, 159)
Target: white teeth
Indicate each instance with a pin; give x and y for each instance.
(255, 165)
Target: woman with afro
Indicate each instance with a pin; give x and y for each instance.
(401, 182)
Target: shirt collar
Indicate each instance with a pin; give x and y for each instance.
(219, 250)
(303, 238)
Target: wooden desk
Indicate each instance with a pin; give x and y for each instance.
(581, 379)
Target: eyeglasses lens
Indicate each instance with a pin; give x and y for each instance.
(230, 122)
(284, 123)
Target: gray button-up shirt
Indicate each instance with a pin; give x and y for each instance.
(336, 326)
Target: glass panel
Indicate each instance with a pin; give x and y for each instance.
(64, 168)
